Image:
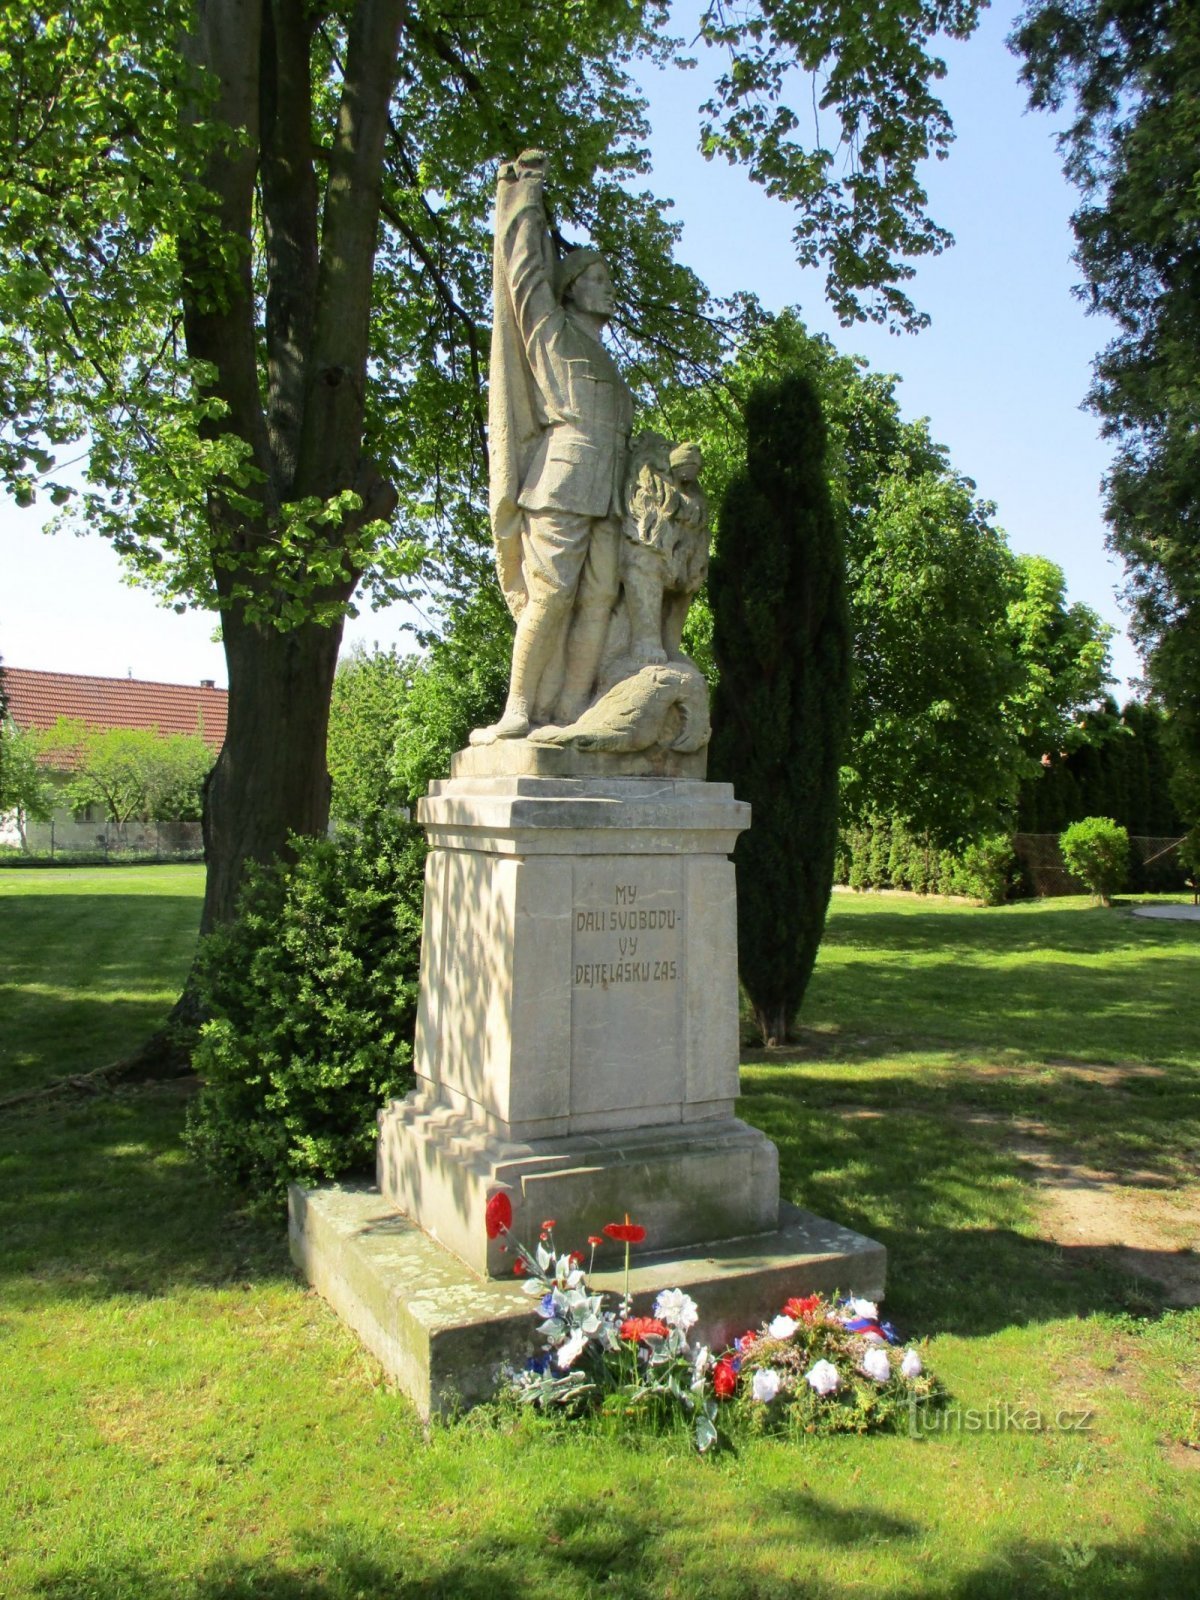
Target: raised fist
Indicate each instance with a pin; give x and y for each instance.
(530, 165)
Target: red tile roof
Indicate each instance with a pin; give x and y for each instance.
(38, 699)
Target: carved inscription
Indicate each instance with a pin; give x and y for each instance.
(627, 986)
(625, 942)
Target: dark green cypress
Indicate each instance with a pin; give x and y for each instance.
(781, 641)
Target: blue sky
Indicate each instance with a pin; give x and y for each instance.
(1000, 373)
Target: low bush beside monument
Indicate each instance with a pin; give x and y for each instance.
(311, 995)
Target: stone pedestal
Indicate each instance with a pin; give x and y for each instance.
(577, 1035)
(577, 1049)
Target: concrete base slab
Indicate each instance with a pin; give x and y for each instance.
(444, 1334)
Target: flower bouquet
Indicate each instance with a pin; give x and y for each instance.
(824, 1366)
(821, 1365)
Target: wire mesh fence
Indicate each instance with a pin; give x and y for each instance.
(1155, 865)
(62, 840)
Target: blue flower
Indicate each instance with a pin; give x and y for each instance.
(538, 1364)
(546, 1306)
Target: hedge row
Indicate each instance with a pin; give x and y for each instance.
(884, 854)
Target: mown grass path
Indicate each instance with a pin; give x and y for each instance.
(181, 1419)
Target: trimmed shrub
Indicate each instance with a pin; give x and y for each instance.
(987, 869)
(1097, 850)
(879, 861)
(858, 853)
(311, 994)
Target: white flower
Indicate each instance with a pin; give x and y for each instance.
(876, 1365)
(766, 1385)
(823, 1377)
(570, 1349)
(911, 1366)
(863, 1308)
(783, 1327)
(676, 1309)
(700, 1365)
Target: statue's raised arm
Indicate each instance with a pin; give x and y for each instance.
(559, 416)
(596, 659)
(514, 420)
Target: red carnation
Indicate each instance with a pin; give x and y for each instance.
(803, 1310)
(547, 1225)
(627, 1232)
(498, 1214)
(724, 1380)
(635, 1328)
(576, 1258)
(594, 1239)
(519, 1268)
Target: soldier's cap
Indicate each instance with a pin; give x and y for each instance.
(571, 265)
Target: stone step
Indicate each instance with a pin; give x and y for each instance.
(445, 1335)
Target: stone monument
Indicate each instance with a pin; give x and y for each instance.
(577, 1036)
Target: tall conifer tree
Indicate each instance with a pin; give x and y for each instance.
(781, 639)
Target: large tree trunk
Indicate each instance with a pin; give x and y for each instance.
(301, 416)
(270, 778)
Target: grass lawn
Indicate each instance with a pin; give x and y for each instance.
(91, 958)
(180, 1418)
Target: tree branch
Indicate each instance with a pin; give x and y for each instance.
(218, 294)
(289, 202)
(446, 294)
(331, 438)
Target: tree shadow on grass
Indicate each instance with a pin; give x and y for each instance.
(1006, 930)
(351, 1566)
(1142, 1124)
(99, 1198)
(949, 1204)
(586, 1547)
(1141, 1009)
(82, 978)
(1083, 984)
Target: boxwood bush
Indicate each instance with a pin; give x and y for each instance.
(1097, 850)
(311, 996)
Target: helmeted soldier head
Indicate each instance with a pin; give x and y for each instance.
(582, 278)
